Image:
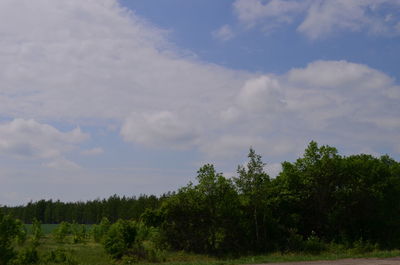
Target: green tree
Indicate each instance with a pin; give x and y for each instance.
(62, 231)
(100, 230)
(9, 230)
(253, 184)
(37, 232)
(201, 218)
(120, 238)
(308, 187)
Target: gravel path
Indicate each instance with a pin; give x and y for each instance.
(372, 261)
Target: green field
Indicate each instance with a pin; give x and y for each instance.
(90, 253)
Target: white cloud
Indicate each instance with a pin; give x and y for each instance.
(93, 62)
(339, 74)
(62, 164)
(93, 152)
(224, 33)
(77, 60)
(261, 94)
(162, 128)
(253, 11)
(318, 19)
(30, 139)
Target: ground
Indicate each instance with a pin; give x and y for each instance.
(370, 261)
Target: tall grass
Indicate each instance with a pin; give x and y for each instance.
(91, 253)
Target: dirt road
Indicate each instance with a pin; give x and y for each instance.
(372, 261)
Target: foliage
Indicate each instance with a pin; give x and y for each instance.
(22, 234)
(59, 255)
(37, 232)
(120, 238)
(320, 200)
(9, 230)
(100, 230)
(62, 231)
(90, 212)
(201, 218)
(132, 241)
(79, 233)
(27, 256)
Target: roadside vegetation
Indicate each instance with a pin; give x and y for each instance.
(322, 206)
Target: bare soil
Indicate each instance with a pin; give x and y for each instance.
(369, 261)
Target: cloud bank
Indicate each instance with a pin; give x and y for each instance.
(84, 63)
(93, 61)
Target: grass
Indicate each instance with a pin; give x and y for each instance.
(90, 253)
(47, 228)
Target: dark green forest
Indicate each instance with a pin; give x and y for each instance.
(320, 198)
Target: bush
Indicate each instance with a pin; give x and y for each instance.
(61, 232)
(130, 241)
(99, 231)
(9, 230)
(79, 233)
(22, 233)
(27, 256)
(361, 246)
(314, 245)
(37, 232)
(120, 238)
(60, 256)
(294, 241)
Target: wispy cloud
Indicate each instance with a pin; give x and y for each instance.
(93, 152)
(224, 33)
(318, 19)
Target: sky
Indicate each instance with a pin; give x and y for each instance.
(130, 97)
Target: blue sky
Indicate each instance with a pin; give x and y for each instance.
(102, 97)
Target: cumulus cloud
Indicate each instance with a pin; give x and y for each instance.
(161, 128)
(30, 139)
(337, 102)
(105, 60)
(338, 74)
(318, 19)
(93, 62)
(260, 94)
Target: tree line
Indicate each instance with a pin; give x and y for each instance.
(89, 212)
(322, 198)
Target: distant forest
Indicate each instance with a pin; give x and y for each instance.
(321, 197)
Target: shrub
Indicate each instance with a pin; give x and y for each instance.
(60, 256)
(133, 241)
(120, 238)
(9, 229)
(22, 233)
(314, 245)
(37, 232)
(361, 246)
(27, 256)
(100, 230)
(79, 233)
(61, 232)
(294, 241)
